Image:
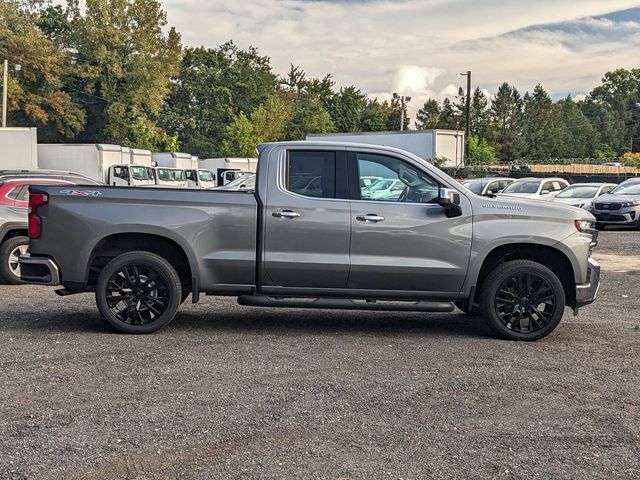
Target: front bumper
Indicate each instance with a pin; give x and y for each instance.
(622, 216)
(586, 293)
(39, 270)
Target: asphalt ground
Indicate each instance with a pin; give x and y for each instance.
(233, 392)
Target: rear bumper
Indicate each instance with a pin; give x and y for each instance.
(586, 293)
(39, 270)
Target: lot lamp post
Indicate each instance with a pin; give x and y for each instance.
(468, 113)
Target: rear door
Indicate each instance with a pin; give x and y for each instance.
(307, 221)
(405, 242)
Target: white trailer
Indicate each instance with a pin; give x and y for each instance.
(19, 148)
(101, 162)
(426, 144)
(227, 169)
(183, 161)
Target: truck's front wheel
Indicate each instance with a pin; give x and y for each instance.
(522, 300)
(138, 292)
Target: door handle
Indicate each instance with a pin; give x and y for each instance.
(370, 217)
(286, 214)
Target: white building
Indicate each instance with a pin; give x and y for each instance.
(426, 144)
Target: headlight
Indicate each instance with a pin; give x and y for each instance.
(635, 203)
(585, 226)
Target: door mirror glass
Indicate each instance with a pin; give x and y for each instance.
(544, 192)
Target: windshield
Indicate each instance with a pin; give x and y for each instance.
(139, 173)
(523, 187)
(164, 174)
(475, 186)
(579, 191)
(379, 185)
(632, 188)
(205, 175)
(178, 175)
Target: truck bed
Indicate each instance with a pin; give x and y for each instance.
(215, 231)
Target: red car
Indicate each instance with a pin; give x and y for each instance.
(14, 199)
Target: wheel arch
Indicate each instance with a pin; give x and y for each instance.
(554, 259)
(170, 249)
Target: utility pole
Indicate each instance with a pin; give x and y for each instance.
(5, 79)
(403, 106)
(468, 124)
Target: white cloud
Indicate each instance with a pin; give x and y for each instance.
(416, 47)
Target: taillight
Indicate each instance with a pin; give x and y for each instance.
(35, 223)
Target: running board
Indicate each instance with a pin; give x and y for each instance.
(345, 304)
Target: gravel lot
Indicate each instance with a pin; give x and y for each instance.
(233, 392)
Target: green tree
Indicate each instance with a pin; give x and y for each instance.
(240, 140)
(347, 108)
(506, 119)
(37, 94)
(374, 116)
(480, 123)
(480, 152)
(448, 118)
(125, 61)
(308, 116)
(270, 119)
(538, 124)
(212, 88)
(428, 116)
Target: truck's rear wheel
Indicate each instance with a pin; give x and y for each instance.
(138, 292)
(522, 300)
(10, 252)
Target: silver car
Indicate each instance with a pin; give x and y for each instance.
(582, 194)
(619, 207)
(538, 188)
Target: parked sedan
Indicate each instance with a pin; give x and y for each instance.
(537, 188)
(488, 185)
(14, 200)
(619, 207)
(581, 194)
(384, 189)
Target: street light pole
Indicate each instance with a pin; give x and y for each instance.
(402, 99)
(468, 106)
(5, 79)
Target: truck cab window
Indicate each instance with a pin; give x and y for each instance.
(399, 181)
(121, 172)
(312, 174)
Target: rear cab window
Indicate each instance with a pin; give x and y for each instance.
(316, 174)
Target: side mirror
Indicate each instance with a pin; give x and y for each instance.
(544, 192)
(449, 199)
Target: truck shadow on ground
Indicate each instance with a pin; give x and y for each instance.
(316, 322)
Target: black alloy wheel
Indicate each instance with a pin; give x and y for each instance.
(522, 300)
(138, 292)
(525, 302)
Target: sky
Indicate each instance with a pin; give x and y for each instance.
(416, 47)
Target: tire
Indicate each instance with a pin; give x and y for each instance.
(473, 311)
(138, 292)
(522, 287)
(10, 250)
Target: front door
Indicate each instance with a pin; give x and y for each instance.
(401, 238)
(307, 222)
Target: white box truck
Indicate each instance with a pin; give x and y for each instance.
(19, 148)
(426, 144)
(226, 170)
(102, 162)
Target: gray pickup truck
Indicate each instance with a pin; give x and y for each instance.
(307, 237)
